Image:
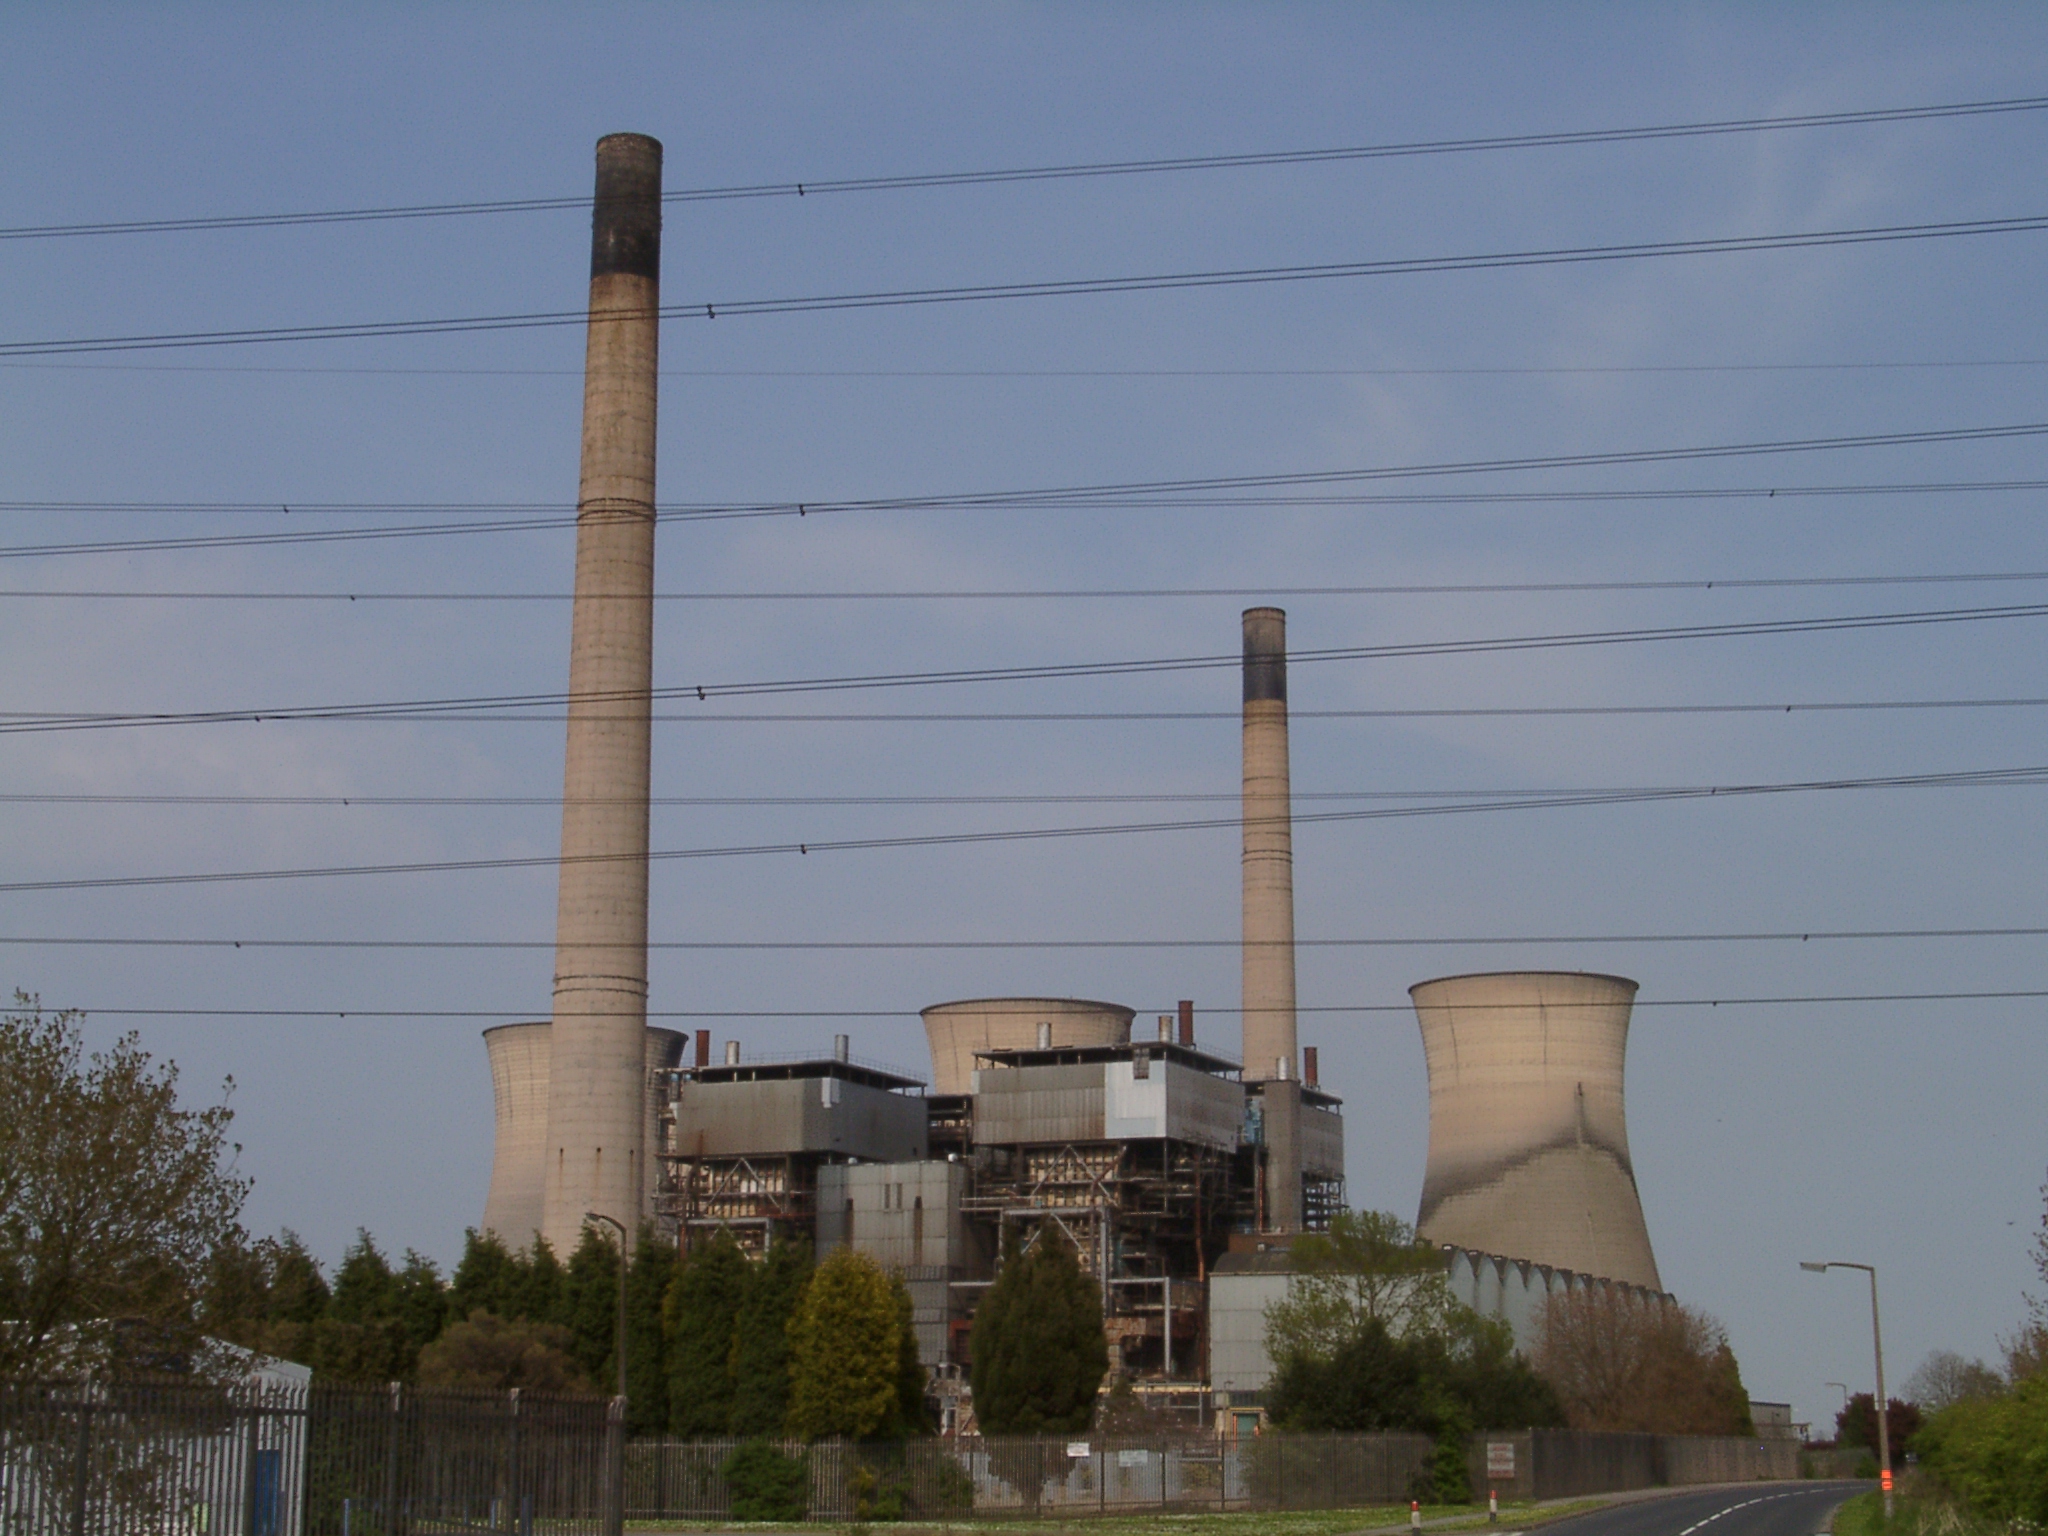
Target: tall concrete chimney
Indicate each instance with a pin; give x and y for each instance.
(597, 1085)
(1269, 1044)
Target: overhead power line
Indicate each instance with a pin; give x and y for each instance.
(1410, 941)
(1163, 797)
(1045, 373)
(20, 722)
(509, 1014)
(1568, 138)
(1031, 834)
(1157, 282)
(1042, 594)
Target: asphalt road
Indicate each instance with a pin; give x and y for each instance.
(1776, 1509)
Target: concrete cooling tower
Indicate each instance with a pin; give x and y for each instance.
(1528, 1142)
(957, 1030)
(520, 1078)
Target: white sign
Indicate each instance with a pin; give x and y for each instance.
(1130, 1458)
(1500, 1458)
(1078, 1449)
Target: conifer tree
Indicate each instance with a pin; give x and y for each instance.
(698, 1322)
(1038, 1345)
(845, 1351)
(910, 1375)
(422, 1301)
(647, 1282)
(540, 1298)
(362, 1337)
(489, 1278)
(760, 1344)
(590, 1305)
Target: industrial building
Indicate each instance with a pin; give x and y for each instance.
(1179, 1173)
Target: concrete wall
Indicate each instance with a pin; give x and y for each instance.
(1238, 1361)
(1515, 1290)
(906, 1217)
(1567, 1463)
(1509, 1289)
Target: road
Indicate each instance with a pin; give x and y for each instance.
(1771, 1509)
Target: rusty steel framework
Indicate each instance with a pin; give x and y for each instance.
(758, 1200)
(1143, 1217)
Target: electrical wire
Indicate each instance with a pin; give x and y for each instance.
(21, 722)
(1042, 594)
(968, 839)
(1432, 941)
(1091, 169)
(512, 1014)
(1047, 373)
(1158, 282)
(871, 801)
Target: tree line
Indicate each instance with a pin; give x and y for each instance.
(716, 1344)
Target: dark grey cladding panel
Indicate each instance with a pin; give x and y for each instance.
(625, 218)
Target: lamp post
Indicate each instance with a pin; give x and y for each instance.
(1884, 1439)
(615, 1516)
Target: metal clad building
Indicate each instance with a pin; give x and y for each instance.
(1105, 1093)
(829, 1108)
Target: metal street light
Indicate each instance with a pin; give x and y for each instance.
(615, 1494)
(1884, 1439)
(620, 1345)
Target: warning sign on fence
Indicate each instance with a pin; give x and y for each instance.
(1500, 1458)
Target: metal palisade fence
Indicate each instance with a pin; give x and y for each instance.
(191, 1458)
(1069, 1477)
(151, 1458)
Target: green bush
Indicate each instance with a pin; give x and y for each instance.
(1992, 1453)
(766, 1484)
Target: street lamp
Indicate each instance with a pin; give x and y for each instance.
(1884, 1439)
(615, 1494)
(620, 1346)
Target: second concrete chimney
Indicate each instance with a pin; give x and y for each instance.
(1269, 1023)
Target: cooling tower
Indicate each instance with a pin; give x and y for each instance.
(1528, 1142)
(595, 1154)
(519, 1086)
(957, 1030)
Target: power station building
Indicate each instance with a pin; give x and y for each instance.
(1179, 1173)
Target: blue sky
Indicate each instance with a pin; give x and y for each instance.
(1906, 1133)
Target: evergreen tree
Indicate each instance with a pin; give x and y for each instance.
(760, 1344)
(911, 1418)
(422, 1301)
(647, 1281)
(845, 1352)
(698, 1320)
(365, 1289)
(540, 1298)
(297, 1291)
(590, 1304)
(490, 1278)
(1038, 1346)
(363, 1335)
